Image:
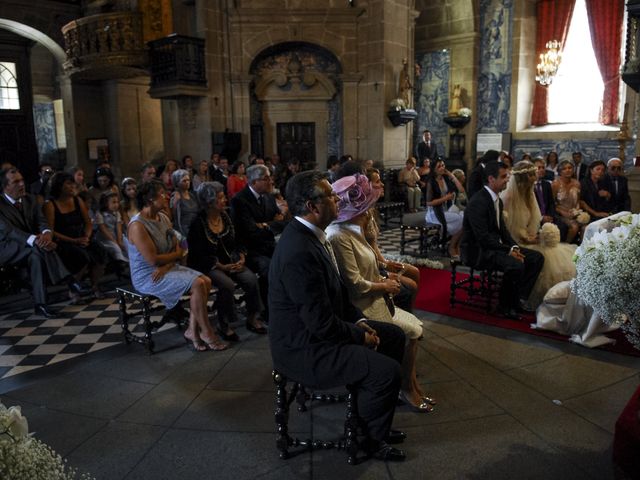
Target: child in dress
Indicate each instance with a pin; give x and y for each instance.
(109, 228)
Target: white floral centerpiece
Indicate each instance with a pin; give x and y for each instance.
(464, 112)
(608, 274)
(397, 104)
(23, 457)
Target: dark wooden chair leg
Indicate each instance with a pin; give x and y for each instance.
(283, 440)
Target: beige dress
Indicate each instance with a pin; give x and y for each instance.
(359, 270)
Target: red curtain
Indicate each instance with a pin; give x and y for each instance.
(605, 23)
(554, 17)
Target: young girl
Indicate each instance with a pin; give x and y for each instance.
(128, 204)
(109, 231)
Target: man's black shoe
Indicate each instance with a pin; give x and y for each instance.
(77, 287)
(395, 436)
(43, 311)
(387, 453)
(508, 312)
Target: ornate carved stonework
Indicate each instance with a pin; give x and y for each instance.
(157, 21)
(105, 46)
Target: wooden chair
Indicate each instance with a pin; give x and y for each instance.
(285, 396)
(481, 287)
(428, 237)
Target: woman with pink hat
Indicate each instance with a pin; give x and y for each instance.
(368, 290)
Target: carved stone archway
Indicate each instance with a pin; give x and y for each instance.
(297, 82)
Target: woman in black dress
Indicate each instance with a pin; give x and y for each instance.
(72, 228)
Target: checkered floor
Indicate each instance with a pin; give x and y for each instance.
(28, 341)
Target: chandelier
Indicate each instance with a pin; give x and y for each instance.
(549, 63)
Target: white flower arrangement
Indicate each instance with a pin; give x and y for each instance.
(549, 235)
(608, 274)
(580, 216)
(464, 112)
(418, 262)
(397, 104)
(23, 457)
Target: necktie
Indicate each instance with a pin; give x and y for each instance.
(329, 249)
(496, 205)
(615, 184)
(18, 205)
(540, 197)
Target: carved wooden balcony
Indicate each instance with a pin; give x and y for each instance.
(177, 67)
(105, 46)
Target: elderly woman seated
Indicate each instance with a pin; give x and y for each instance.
(154, 257)
(214, 251)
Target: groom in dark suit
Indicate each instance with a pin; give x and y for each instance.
(486, 243)
(317, 336)
(26, 238)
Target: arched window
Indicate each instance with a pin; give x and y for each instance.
(9, 98)
(575, 96)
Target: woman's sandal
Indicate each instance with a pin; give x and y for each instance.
(216, 345)
(195, 345)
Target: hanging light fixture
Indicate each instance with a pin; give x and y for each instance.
(549, 63)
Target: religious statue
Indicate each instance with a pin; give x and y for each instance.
(456, 103)
(404, 84)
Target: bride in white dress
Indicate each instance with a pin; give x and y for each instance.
(522, 218)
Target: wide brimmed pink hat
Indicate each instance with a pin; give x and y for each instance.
(356, 196)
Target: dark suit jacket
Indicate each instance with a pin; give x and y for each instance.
(311, 317)
(15, 228)
(589, 194)
(481, 236)
(621, 200)
(582, 174)
(430, 152)
(475, 182)
(246, 212)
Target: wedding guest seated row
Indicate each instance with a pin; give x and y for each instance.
(487, 244)
(216, 251)
(526, 225)
(26, 240)
(155, 255)
(368, 290)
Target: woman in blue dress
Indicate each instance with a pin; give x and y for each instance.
(154, 256)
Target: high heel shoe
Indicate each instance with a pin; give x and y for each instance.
(421, 407)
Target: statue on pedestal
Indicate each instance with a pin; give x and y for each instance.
(456, 103)
(404, 84)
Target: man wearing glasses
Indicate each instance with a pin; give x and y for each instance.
(619, 187)
(258, 220)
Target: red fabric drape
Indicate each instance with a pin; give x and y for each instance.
(554, 17)
(605, 24)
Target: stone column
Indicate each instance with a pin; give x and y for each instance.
(66, 93)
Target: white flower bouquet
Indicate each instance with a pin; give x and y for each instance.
(23, 457)
(608, 274)
(464, 112)
(580, 216)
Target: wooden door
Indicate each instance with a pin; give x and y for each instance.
(297, 141)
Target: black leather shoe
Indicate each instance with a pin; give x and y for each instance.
(508, 312)
(395, 436)
(77, 287)
(387, 453)
(229, 338)
(254, 329)
(44, 311)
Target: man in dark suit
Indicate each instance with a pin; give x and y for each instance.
(317, 336)
(477, 177)
(25, 238)
(426, 148)
(258, 220)
(579, 168)
(486, 243)
(619, 186)
(544, 197)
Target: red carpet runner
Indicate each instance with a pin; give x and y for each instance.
(433, 296)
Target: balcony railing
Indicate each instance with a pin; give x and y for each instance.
(106, 46)
(177, 67)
